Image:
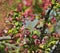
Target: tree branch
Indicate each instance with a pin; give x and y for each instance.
(10, 45)
(5, 38)
(46, 20)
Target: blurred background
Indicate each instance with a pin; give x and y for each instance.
(5, 7)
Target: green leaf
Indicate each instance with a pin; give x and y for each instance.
(16, 14)
(52, 42)
(15, 31)
(53, 1)
(17, 27)
(18, 41)
(37, 32)
(37, 9)
(57, 5)
(48, 49)
(10, 31)
(16, 23)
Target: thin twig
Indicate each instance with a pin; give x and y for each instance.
(10, 45)
(5, 38)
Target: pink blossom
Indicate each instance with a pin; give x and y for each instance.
(27, 2)
(22, 28)
(6, 49)
(34, 36)
(19, 7)
(53, 20)
(27, 32)
(37, 41)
